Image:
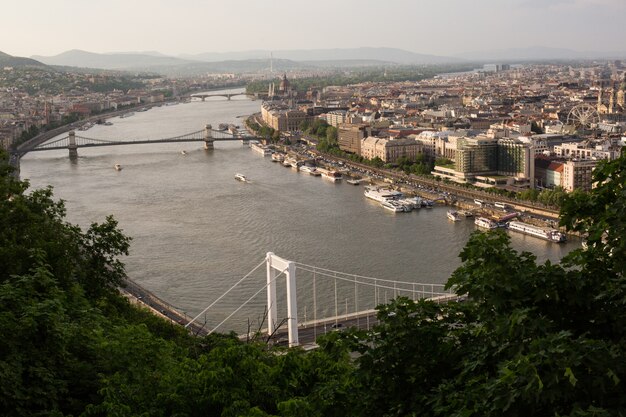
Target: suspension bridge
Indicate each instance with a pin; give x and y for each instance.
(318, 301)
(73, 142)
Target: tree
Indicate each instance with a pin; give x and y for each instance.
(531, 339)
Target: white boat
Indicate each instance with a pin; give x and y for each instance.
(466, 213)
(453, 215)
(118, 167)
(353, 182)
(306, 168)
(241, 177)
(183, 152)
(552, 235)
(392, 206)
(260, 149)
(485, 223)
(381, 194)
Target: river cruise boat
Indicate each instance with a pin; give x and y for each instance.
(241, 177)
(330, 175)
(453, 215)
(392, 206)
(381, 194)
(485, 223)
(278, 157)
(260, 149)
(528, 229)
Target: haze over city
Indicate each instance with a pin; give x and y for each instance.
(451, 28)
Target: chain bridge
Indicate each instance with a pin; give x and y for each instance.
(73, 142)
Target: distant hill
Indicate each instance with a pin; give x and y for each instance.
(394, 55)
(536, 53)
(241, 62)
(7, 60)
(117, 61)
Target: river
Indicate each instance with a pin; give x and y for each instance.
(196, 230)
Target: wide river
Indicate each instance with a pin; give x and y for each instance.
(196, 230)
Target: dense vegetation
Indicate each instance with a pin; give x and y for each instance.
(530, 340)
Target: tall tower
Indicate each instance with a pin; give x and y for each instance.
(599, 106)
(611, 108)
(271, 63)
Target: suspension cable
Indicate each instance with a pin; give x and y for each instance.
(246, 302)
(223, 295)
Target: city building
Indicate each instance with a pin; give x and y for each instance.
(349, 136)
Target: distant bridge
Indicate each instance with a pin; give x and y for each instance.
(72, 142)
(203, 96)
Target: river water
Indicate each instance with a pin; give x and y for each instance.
(196, 231)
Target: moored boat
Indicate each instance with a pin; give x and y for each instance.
(257, 147)
(552, 235)
(278, 157)
(330, 175)
(453, 215)
(392, 206)
(381, 194)
(485, 223)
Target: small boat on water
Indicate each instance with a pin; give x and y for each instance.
(241, 177)
(183, 152)
(485, 223)
(222, 126)
(307, 168)
(392, 206)
(118, 167)
(453, 215)
(353, 182)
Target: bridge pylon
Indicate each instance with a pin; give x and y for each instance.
(72, 147)
(274, 263)
(208, 137)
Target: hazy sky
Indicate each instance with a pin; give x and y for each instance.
(442, 27)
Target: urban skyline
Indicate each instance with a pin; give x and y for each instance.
(195, 27)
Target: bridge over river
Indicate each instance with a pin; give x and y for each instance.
(73, 142)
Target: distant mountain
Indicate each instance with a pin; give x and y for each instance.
(117, 61)
(7, 60)
(394, 55)
(536, 53)
(241, 62)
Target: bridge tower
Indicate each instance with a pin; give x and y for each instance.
(274, 263)
(73, 148)
(208, 137)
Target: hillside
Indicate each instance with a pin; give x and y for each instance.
(117, 61)
(7, 60)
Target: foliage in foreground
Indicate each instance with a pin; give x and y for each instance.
(530, 340)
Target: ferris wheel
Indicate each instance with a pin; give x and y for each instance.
(583, 116)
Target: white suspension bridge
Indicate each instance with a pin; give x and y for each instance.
(319, 300)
